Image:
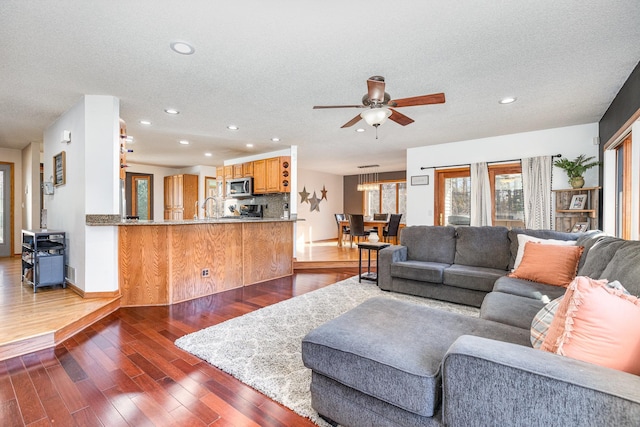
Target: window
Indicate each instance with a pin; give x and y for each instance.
(506, 191)
(389, 197)
(453, 196)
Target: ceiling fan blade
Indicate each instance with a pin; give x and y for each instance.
(320, 107)
(375, 86)
(434, 98)
(351, 122)
(400, 118)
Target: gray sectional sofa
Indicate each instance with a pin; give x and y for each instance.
(393, 363)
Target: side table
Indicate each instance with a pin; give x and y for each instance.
(369, 246)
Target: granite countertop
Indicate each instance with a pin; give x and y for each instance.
(117, 220)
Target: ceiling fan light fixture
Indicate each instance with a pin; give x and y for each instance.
(376, 116)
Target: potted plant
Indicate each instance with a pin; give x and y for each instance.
(576, 168)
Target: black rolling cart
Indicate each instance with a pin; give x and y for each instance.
(43, 258)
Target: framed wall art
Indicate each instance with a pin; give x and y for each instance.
(420, 180)
(59, 169)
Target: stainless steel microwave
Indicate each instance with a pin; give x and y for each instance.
(240, 187)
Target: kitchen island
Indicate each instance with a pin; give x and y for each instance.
(166, 262)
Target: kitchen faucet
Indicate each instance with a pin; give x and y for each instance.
(204, 206)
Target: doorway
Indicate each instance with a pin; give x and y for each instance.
(453, 197)
(139, 190)
(6, 188)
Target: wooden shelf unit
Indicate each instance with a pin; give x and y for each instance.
(566, 218)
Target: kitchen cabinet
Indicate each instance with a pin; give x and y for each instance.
(228, 172)
(566, 217)
(237, 171)
(272, 175)
(43, 258)
(180, 196)
(260, 176)
(247, 169)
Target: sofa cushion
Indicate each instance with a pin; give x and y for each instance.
(597, 324)
(625, 267)
(599, 256)
(392, 350)
(587, 240)
(542, 321)
(541, 234)
(550, 264)
(528, 289)
(476, 278)
(483, 247)
(429, 243)
(510, 310)
(419, 270)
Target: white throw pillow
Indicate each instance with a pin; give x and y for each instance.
(523, 238)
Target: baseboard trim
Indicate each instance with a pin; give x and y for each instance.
(83, 294)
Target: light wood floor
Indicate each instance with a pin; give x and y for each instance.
(33, 321)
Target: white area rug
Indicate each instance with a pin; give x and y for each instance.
(263, 348)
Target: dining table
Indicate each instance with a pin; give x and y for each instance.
(368, 223)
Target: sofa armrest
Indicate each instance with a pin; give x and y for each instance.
(487, 382)
(386, 257)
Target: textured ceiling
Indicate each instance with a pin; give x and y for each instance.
(262, 65)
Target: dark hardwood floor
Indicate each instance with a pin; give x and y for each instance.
(125, 371)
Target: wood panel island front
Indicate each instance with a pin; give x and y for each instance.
(166, 262)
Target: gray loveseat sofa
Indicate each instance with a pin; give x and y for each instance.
(393, 363)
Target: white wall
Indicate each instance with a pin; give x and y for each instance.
(31, 188)
(92, 187)
(318, 225)
(569, 141)
(15, 156)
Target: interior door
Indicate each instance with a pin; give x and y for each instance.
(453, 197)
(141, 196)
(5, 209)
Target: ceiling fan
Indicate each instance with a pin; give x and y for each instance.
(379, 105)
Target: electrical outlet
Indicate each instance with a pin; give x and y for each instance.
(205, 272)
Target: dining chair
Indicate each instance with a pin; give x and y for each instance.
(392, 228)
(345, 228)
(356, 226)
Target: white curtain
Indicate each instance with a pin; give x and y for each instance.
(480, 194)
(536, 186)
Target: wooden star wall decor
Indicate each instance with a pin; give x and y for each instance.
(313, 201)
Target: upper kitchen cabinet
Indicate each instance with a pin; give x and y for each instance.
(237, 171)
(272, 175)
(247, 169)
(260, 176)
(180, 197)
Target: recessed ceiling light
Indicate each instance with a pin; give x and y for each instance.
(360, 130)
(208, 154)
(249, 145)
(145, 122)
(184, 142)
(183, 48)
(171, 111)
(233, 127)
(508, 100)
(275, 139)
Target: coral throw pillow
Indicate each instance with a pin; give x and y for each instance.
(550, 264)
(523, 239)
(597, 324)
